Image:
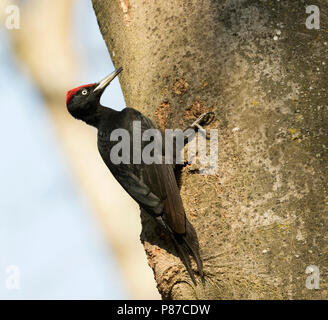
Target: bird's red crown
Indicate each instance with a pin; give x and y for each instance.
(71, 93)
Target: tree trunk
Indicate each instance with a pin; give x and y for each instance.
(262, 219)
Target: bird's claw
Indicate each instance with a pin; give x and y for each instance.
(204, 119)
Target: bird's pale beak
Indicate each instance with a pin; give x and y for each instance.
(105, 82)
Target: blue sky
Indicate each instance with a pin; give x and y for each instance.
(46, 227)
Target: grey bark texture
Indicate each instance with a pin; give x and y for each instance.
(263, 218)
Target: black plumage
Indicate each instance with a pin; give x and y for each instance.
(153, 186)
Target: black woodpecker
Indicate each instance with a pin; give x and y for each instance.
(153, 186)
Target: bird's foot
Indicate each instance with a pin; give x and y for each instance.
(204, 120)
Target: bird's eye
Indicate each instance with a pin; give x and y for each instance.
(84, 92)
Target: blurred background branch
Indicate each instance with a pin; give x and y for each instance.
(59, 46)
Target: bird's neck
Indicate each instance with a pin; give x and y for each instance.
(97, 115)
(93, 117)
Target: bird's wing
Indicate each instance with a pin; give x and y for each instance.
(173, 206)
(135, 185)
(161, 180)
(153, 186)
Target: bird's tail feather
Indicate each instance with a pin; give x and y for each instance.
(186, 244)
(191, 241)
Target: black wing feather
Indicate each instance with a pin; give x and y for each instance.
(144, 182)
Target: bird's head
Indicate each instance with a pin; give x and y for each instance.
(83, 101)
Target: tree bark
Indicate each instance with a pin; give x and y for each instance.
(262, 219)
